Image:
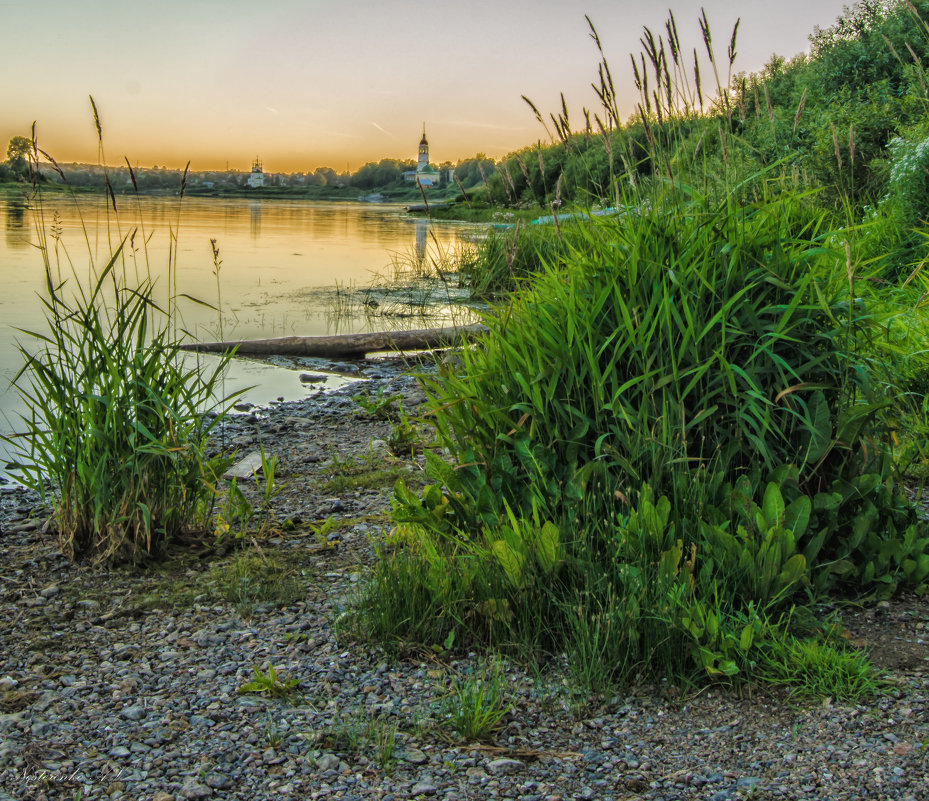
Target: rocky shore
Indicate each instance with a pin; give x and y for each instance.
(155, 684)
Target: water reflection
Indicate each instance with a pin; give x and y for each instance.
(288, 267)
(254, 209)
(422, 231)
(18, 234)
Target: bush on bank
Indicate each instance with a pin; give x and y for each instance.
(666, 442)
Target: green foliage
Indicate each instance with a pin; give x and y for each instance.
(680, 395)
(116, 431)
(684, 420)
(19, 152)
(381, 174)
(382, 406)
(477, 703)
(671, 337)
(252, 578)
(817, 669)
(909, 180)
(270, 684)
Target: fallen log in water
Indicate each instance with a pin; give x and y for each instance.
(345, 344)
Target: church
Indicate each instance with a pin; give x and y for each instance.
(425, 174)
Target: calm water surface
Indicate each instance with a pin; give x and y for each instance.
(286, 268)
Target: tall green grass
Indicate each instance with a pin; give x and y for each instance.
(679, 427)
(115, 436)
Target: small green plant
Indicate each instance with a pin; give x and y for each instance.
(270, 684)
(476, 703)
(235, 514)
(406, 435)
(322, 531)
(381, 406)
(817, 668)
(268, 488)
(272, 734)
(383, 737)
(252, 578)
(354, 734)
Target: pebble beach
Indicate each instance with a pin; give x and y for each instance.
(130, 684)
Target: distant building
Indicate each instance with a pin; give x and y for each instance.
(425, 174)
(257, 179)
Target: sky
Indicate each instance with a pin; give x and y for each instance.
(309, 83)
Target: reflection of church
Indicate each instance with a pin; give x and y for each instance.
(425, 174)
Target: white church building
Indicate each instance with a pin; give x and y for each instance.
(425, 174)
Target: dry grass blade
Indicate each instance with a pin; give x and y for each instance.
(835, 142)
(97, 124)
(538, 116)
(697, 81)
(674, 41)
(184, 179)
(135, 184)
(732, 41)
(799, 111)
(462, 190)
(54, 164)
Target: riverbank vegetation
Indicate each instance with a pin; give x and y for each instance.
(115, 437)
(690, 427)
(693, 423)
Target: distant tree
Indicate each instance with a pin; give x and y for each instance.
(468, 172)
(384, 173)
(17, 153)
(325, 176)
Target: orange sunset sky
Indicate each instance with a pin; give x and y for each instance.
(309, 83)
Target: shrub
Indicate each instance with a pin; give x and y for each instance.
(117, 429)
(658, 344)
(660, 441)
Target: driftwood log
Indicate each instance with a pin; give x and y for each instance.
(345, 344)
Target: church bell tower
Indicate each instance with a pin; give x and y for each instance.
(423, 152)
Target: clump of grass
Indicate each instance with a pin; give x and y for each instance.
(813, 668)
(367, 472)
(117, 428)
(477, 703)
(359, 733)
(253, 578)
(656, 448)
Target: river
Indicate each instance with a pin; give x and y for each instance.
(285, 267)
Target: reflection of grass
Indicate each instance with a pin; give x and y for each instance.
(414, 290)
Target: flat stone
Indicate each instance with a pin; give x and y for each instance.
(41, 728)
(133, 712)
(327, 762)
(504, 765)
(414, 756)
(217, 780)
(246, 468)
(194, 789)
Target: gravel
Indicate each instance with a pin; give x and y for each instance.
(107, 693)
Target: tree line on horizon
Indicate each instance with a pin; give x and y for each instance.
(384, 174)
(834, 116)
